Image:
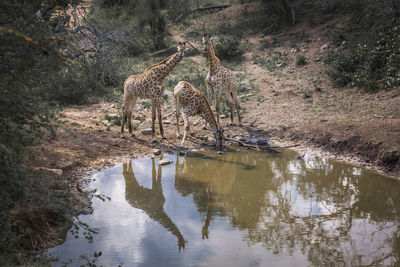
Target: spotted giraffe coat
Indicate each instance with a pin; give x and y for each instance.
(149, 85)
(194, 102)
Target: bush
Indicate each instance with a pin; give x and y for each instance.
(229, 48)
(300, 61)
(36, 72)
(371, 56)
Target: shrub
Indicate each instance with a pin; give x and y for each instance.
(300, 60)
(229, 48)
(371, 59)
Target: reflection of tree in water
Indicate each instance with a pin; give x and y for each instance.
(315, 206)
(337, 201)
(151, 201)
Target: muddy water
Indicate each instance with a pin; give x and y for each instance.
(240, 208)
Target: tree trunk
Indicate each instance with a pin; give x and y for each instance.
(287, 9)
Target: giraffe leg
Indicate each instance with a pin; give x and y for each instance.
(210, 96)
(160, 118)
(234, 96)
(177, 116)
(127, 113)
(153, 120)
(186, 127)
(132, 104)
(231, 110)
(124, 117)
(229, 102)
(217, 103)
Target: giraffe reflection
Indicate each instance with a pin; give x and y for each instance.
(208, 182)
(151, 201)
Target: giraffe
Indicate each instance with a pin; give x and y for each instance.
(194, 102)
(149, 85)
(219, 78)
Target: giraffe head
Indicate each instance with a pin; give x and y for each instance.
(206, 41)
(181, 46)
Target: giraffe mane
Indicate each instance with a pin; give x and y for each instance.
(213, 51)
(159, 63)
(209, 108)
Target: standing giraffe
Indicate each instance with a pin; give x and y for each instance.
(194, 102)
(219, 78)
(149, 85)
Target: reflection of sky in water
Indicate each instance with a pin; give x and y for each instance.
(289, 214)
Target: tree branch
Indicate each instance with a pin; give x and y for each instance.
(200, 9)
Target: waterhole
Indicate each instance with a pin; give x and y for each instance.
(239, 208)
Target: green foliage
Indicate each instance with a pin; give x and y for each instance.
(268, 18)
(113, 119)
(300, 61)
(370, 48)
(36, 73)
(187, 71)
(229, 48)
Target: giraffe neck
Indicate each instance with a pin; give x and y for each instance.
(214, 61)
(210, 119)
(170, 63)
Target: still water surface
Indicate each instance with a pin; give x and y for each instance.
(240, 208)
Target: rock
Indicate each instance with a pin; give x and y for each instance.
(66, 164)
(146, 131)
(243, 139)
(262, 142)
(168, 93)
(145, 125)
(156, 151)
(165, 161)
(325, 46)
(197, 121)
(113, 115)
(252, 141)
(55, 171)
(105, 122)
(245, 86)
(136, 122)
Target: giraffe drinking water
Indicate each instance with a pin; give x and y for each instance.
(194, 102)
